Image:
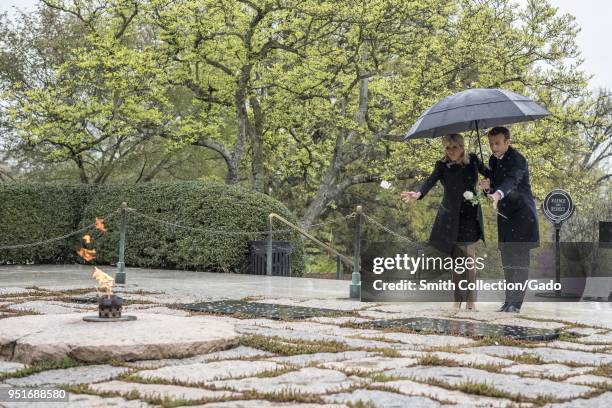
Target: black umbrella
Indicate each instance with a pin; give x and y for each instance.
(475, 109)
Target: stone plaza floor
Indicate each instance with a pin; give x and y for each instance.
(173, 357)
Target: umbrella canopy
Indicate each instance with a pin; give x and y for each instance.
(475, 109)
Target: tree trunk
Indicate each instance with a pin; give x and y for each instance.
(242, 119)
(330, 189)
(81, 166)
(257, 159)
(232, 172)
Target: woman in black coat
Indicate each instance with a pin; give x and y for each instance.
(458, 225)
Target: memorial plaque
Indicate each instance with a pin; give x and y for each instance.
(558, 206)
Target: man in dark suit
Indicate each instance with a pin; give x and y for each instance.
(517, 220)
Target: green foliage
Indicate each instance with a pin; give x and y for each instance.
(36, 212)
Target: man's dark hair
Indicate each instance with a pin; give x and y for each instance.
(500, 130)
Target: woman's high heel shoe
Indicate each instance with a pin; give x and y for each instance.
(471, 306)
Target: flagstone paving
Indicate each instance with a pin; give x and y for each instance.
(511, 384)
(9, 366)
(545, 370)
(161, 391)
(589, 380)
(305, 381)
(548, 355)
(382, 399)
(414, 388)
(316, 362)
(301, 360)
(75, 375)
(370, 364)
(206, 372)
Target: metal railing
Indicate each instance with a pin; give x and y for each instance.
(355, 288)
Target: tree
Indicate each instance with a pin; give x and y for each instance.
(392, 63)
(89, 102)
(222, 52)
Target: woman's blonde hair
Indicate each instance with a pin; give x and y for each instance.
(455, 138)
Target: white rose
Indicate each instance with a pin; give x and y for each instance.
(385, 184)
(468, 195)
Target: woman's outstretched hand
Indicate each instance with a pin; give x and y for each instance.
(408, 196)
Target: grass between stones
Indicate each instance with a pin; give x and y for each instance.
(487, 390)
(286, 395)
(503, 341)
(169, 402)
(604, 386)
(447, 349)
(34, 294)
(568, 324)
(377, 338)
(386, 352)
(395, 329)
(394, 390)
(270, 373)
(604, 370)
(252, 298)
(277, 346)
(526, 359)
(6, 312)
(67, 362)
(135, 378)
(433, 360)
(164, 402)
(39, 293)
(361, 404)
(379, 376)
(94, 301)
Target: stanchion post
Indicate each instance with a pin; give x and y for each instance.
(558, 256)
(338, 267)
(355, 288)
(269, 249)
(120, 274)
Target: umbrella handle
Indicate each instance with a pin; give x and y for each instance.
(479, 144)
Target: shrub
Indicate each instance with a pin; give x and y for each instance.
(214, 210)
(35, 212)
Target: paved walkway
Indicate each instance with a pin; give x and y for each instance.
(316, 362)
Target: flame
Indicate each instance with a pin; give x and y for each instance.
(100, 225)
(104, 280)
(87, 238)
(87, 254)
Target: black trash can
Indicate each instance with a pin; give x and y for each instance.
(281, 257)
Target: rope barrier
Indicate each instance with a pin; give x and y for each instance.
(390, 231)
(58, 238)
(346, 217)
(167, 223)
(198, 229)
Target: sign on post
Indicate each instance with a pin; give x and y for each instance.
(558, 206)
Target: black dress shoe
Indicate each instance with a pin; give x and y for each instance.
(503, 307)
(513, 308)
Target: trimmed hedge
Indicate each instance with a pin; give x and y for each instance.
(33, 212)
